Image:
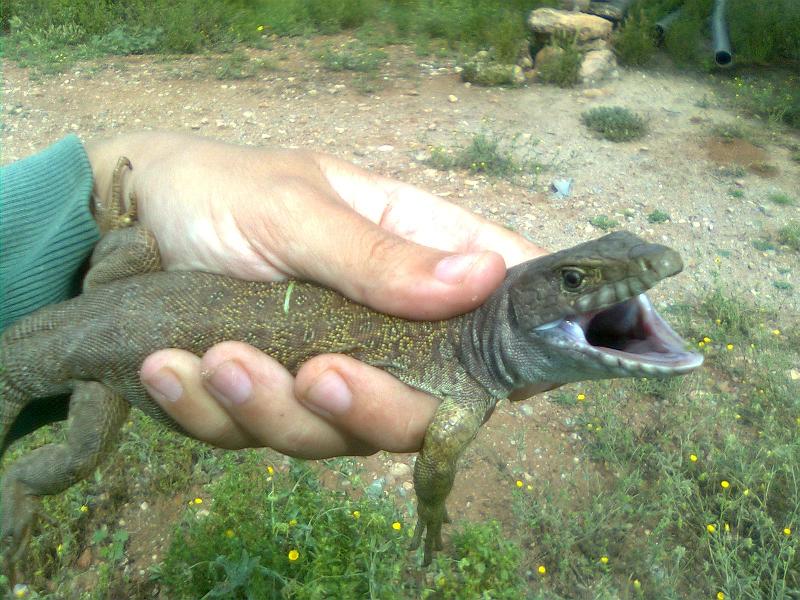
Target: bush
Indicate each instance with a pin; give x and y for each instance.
(614, 123)
(560, 62)
(635, 43)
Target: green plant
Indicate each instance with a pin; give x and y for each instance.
(658, 216)
(634, 42)
(484, 154)
(736, 193)
(604, 222)
(781, 199)
(763, 245)
(353, 57)
(784, 286)
(789, 235)
(560, 62)
(614, 123)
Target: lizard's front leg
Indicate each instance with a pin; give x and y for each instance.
(453, 427)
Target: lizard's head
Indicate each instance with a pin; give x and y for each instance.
(587, 306)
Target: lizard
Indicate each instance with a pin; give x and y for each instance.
(577, 314)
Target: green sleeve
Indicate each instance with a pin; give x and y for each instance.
(46, 228)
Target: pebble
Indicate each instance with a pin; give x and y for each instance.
(526, 409)
(400, 470)
(385, 148)
(452, 98)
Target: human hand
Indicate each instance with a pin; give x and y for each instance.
(265, 215)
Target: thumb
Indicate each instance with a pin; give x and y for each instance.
(375, 267)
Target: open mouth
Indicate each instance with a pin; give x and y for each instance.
(630, 336)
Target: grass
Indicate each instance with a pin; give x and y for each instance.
(658, 216)
(781, 199)
(485, 154)
(604, 222)
(789, 235)
(560, 63)
(614, 123)
(353, 57)
(634, 42)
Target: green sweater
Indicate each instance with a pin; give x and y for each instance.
(46, 228)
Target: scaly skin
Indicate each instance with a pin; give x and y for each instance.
(91, 347)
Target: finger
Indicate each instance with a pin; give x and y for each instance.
(173, 379)
(258, 394)
(366, 402)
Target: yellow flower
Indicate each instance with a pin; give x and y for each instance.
(707, 339)
(637, 585)
(396, 526)
(720, 595)
(693, 457)
(356, 514)
(727, 528)
(270, 470)
(21, 591)
(729, 346)
(260, 28)
(229, 533)
(718, 321)
(604, 560)
(776, 332)
(725, 484)
(700, 344)
(292, 522)
(84, 509)
(519, 483)
(293, 555)
(198, 501)
(60, 549)
(581, 397)
(710, 528)
(787, 531)
(746, 492)
(542, 570)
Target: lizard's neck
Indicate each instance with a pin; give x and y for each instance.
(487, 344)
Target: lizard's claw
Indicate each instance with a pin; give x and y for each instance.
(429, 524)
(16, 521)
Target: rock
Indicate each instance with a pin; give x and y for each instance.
(597, 65)
(483, 70)
(452, 99)
(85, 559)
(400, 470)
(584, 27)
(608, 10)
(524, 59)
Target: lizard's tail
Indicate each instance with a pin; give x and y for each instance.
(11, 403)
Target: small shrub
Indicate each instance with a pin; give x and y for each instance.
(658, 216)
(354, 57)
(604, 222)
(781, 199)
(507, 36)
(614, 123)
(483, 155)
(763, 245)
(560, 64)
(729, 131)
(789, 235)
(734, 193)
(634, 43)
(783, 286)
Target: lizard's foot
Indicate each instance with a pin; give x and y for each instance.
(429, 524)
(19, 509)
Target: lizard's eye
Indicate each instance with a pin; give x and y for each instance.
(572, 278)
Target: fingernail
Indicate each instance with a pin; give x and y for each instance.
(454, 268)
(230, 383)
(165, 384)
(329, 395)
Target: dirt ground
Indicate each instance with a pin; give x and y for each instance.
(389, 121)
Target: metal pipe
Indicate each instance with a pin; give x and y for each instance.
(719, 35)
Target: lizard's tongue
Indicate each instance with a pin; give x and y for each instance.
(630, 335)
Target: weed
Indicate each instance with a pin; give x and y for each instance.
(634, 42)
(485, 154)
(730, 131)
(614, 123)
(781, 199)
(736, 193)
(353, 57)
(604, 222)
(775, 96)
(237, 65)
(763, 245)
(784, 286)
(789, 235)
(560, 62)
(658, 216)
